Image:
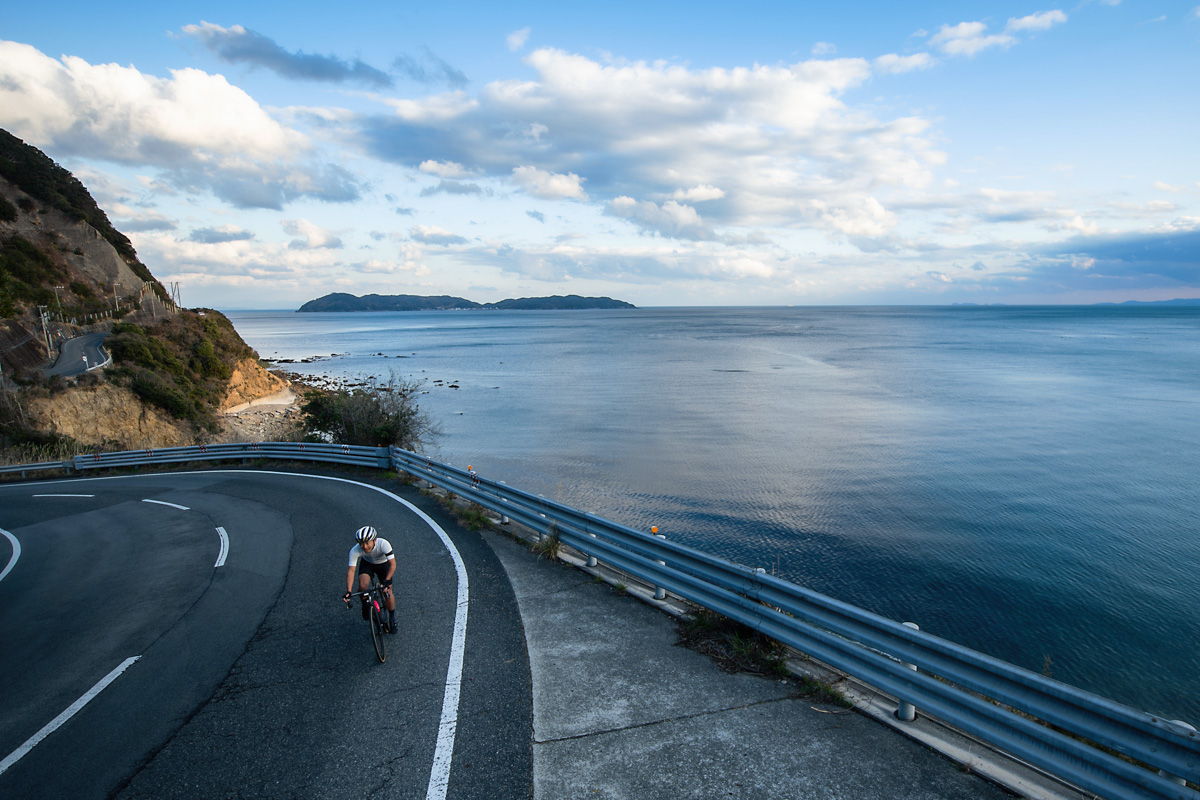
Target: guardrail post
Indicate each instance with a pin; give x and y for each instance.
(659, 592)
(1175, 778)
(591, 560)
(907, 712)
(504, 520)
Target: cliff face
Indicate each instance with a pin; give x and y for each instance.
(108, 416)
(250, 382)
(81, 246)
(64, 270)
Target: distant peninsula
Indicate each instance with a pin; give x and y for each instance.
(339, 301)
(1179, 301)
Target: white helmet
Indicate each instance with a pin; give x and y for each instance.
(365, 534)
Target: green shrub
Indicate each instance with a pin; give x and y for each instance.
(154, 390)
(378, 414)
(8, 212)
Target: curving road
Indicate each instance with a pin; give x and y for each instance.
(77, 354)
(181, 635)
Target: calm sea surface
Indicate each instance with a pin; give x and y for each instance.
(1018, 480)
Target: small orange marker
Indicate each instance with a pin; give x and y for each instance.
(654, 529)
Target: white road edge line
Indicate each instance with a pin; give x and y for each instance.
(439, 774)
(439, 777)
(16, 546)
(165, 503)
(64, 495)
(224, 548)
(72, 710)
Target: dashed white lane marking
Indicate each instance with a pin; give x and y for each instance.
(439, 778)
(72, 710)
(64, 495)
(224, 548)
(16, 546)
(165, 503)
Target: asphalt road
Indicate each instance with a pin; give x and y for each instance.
(77, 354)
(251, 679)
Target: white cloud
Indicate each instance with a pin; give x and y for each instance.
(698, 194)
(313, 236)
(968, 38)
(516, 40)
(549, 186)
(824, 49)
(204, 133)
(866, 217)
(772, 138)
(670, 219)
(1041, 21)
(444, 170)
(431, 234)
(892, 64)
(1168, 187)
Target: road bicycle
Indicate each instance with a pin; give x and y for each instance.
(374, 599)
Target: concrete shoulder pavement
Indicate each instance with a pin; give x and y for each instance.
(621, 712)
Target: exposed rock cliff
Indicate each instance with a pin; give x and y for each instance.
(108, 416)
(250, 382)
(65, 270)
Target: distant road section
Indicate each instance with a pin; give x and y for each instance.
(78, 354)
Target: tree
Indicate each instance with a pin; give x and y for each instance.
(376, 414)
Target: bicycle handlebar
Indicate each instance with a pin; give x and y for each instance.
(377, 588)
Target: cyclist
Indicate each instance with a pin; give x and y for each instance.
(372, 555)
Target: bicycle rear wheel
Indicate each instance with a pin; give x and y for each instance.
(377, 631)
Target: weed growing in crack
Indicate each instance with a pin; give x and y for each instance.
(549, 545)
(734, 646)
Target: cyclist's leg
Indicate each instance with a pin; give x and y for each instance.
(364, 580)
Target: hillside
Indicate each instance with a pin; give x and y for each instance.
(65, 271)
(339, 301)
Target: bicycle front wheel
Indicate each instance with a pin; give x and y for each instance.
(377, 633)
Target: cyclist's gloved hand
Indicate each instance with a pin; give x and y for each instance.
(346, 597)
(387, 581)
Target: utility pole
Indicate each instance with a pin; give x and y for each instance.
(116, 300)
(57, 298)
(45, 332)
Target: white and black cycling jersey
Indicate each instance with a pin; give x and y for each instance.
(380, 553)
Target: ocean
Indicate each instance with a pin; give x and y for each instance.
(1020, 480)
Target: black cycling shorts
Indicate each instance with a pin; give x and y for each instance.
(378, 570)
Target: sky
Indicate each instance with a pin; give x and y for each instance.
(663, 153)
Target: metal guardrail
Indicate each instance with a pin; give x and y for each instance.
(1077, 736)
(108, 359)
(23, 468)
(1042, 721)
(353, 455)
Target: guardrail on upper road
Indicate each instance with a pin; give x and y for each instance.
(1063, 730)
(107, 360)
